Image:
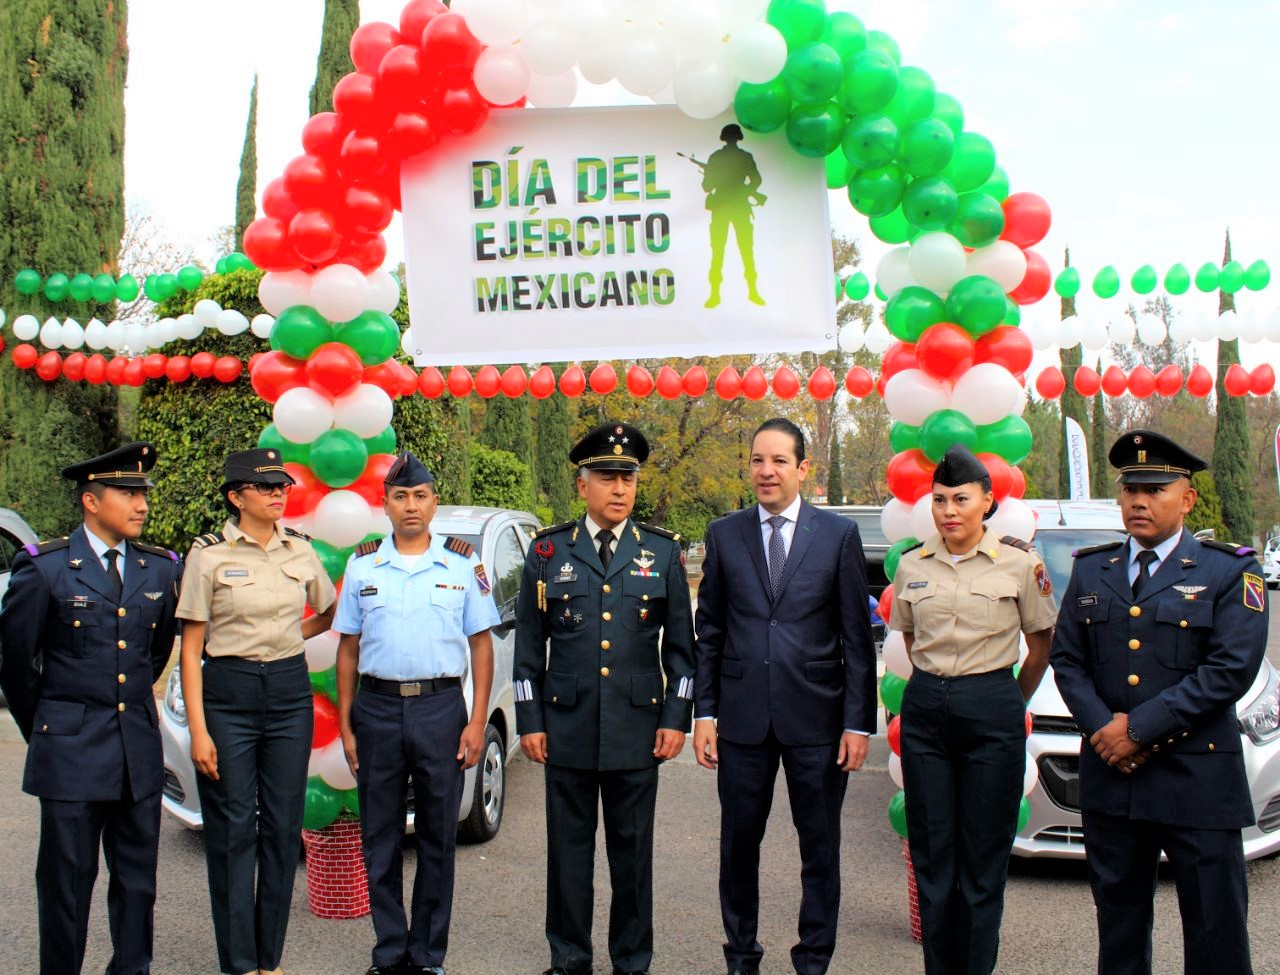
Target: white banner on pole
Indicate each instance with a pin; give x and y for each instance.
(1077, 448)
(565, 234)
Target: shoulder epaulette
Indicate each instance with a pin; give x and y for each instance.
(297, 534)
(1105, 547)
(463, 548)
(213, 538)
(1015, 542)
(369, 547)
(1229, 547)
(156, 550)
(654, 529)
(563, 526)
(52, 545)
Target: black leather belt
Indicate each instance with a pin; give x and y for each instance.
(408, 688)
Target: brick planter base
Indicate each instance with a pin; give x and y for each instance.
(337, 885)
(913, 896)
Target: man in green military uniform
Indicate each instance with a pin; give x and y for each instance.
(730, 179)
(611, 700)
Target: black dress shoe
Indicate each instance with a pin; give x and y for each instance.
(744, 971)
(558, 970)
(387, 970)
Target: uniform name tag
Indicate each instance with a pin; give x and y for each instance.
(235, 573)
(369, 591)
(1089, 600)
(441, 585)
(566, 573)
(82, 603)
(918, 585)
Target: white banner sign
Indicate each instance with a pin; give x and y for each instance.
(615, 233)
(1077, 448)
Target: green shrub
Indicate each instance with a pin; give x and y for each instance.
(499, 479)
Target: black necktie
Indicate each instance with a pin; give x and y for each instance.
(1145, 558)
(605, 538)
(113, 572)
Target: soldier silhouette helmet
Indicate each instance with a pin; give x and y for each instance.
(731, 133)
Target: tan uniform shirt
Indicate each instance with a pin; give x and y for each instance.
(965, 615)
(252, 597)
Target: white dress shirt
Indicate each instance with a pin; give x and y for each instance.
(1163, 551)
(791, 513)
(100, 550)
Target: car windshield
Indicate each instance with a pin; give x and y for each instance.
(1055, 546)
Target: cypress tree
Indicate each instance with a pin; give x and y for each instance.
(835, 474)
(62, 75)
(1069, 360)
(508, 426)
(341, 18)
(1231, 443)
(1099, 468)
(552, 471)
(247, 187)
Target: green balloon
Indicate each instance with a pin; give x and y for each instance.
(322, 804)
(332, 558)
(1106, 283)
(150, 288)
(839, 286)
(891, 688)
(870, 141)
(857, 287)
(839, 171)
(325, 681)
(1144, 280)
(81, 287)
(291, 453)
(1207, 277)
(299, 331)
(104, 288)
(870, 82)
(1178, 280)
(1024, 813)
(878, 40)
(220, 267)
(237, 261)
(1257, 276)
(927, 147)
(977, 304)
(189, 278)
(374, 336)
(56, 287)
(27, 282)
(814, 130)
(879, 293)
(1067, 284)
(383, 443)
(800, 22)
(903, 436)
(929, 203)
(877, 192)
(127, 288)
(763, 108)
(913, 101)
(892, 228)
(338, 457)
(167, 286)
(943, 430)
(351, 801)
(844, 32)
(1231, 277)
(947, 110)
(898, 811)
(813, 73)
(1013, 315)
(894, 555)
(997, 187)
(972, 163)
(1010, 438)
(912, 310)
(979, 220)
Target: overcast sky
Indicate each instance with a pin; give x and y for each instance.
(1148, 125)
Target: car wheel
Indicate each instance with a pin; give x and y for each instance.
(485, 818)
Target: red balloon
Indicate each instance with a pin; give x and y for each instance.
(859, 382)
(604, 379)
(1051, 384)
(542, 383)
(460, 382)
(364, 211)
(24, 356)
(1236, 381)
(822, 385)
(314, 235)
(355, 99)
(944, 351)
(253, 360)
(514, 382)
(1018, 486)
(695, 381)
(884, 608)
(73, 366)
(1114, 381)
(116, 368)
(227, 369)
(448, 43)
(178, 369)
(488, 382)
(49, 366)
(371, 484)
(201, 365)
(1026, 219)
(404, 82)
(266, 243)
(899, 356)
(366, 255)
(1086, 382)
(370, 42)
(1142, 382)
(306, 492)
(755, 385)
(1200, 382)
(95, 369)
(273, 374)
(322, 136)
(385, 376)
(416, 15)
(333, 369)
(1031, 720)
(1169, 381)
(1006, 346)
(894, 734)
(728, 383)
(1262, 380)
(362, 158)
(573, 381)
(1001, 474)
(324, 730)
(910, 476)
(431, 383)
(276, 201)
(153, 365)
(1035, 283)
(669, 383)
(133, 374)
(408, 379)
(310, 180)
(639, 381)
(786, 384)
(460, 111)
(411, 134)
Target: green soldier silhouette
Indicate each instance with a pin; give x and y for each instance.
(730, 179)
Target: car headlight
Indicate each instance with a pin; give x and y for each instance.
(1261, 721)
(173, 702)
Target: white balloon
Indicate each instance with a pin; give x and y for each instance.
(667, 96)
(911, 395)
(366, 411)
(646, 62)
(72, 334)
(922, 523)
(598, 28)
(407, 344)
(703, 87)
(1204, 327)
(1181, 330)
(26, 327)
(893, 272)
(151, 336)
(3, 318)
(1253, 329)
(693, 27)
(501, 75)
(1042, 332)
(261, 325)
(1122, 330)
(895, 769)
(1151, 330)
(557, 91)
(1069, 332)
(496, 22)
(895, 520)
(302, 414)
(339, 292)
(757, 53)
(115, 336)
(1273, 326)
(896, 659)
(331, 765)
(1093, 334)
(547, 46)
(384, 292)
(379, 523)
(51, 334)
(188, 327)
(1014, 517)
(598, 68)
(986, 393)
(852, 337)
(1030, 776)
(877, 338)
(1228, 329)
(937, 261)
(1002, 261)
(279, 290)
(1024, 397)
(135, 336)
(166, 331)
(342, 518)
(206, 312)
(95, 335)
(321, 651)
(232, 322)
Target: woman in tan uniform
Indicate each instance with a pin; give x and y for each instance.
(249, 706)
(961, 599)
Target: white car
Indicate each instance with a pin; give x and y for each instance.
(1271, 563)
(1054, 827)
(14, 533)
(500, 536)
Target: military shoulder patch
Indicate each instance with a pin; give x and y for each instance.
(654, 529)
(368, 548)
(297, 534)
(213, 538)
(482, 580)
(1105, 547)
(156, 550)
(52, 545)
(1255, 593)
(563, 526)
(1043, 580)
(462, 547)
(1229, 547)
(1016, 543)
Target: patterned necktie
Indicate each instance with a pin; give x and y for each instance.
(1145, 558)
(777, 553)
(605, 538)
(113, 572)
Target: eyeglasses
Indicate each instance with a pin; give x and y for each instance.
(267, 489)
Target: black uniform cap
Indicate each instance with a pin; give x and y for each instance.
(958, 466)
(408, 472)
(611, 447)
(258, 466)
(1145, 457)
(125, 467)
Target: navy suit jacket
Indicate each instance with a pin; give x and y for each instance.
(802, 663)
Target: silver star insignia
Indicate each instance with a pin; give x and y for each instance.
(76, 563)
(612, 439)
(625, 439)
(142, 563)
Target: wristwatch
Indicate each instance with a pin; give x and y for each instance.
(1133, 736)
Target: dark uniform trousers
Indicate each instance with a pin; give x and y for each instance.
(260, 718)
(963, 760)
(398, 738)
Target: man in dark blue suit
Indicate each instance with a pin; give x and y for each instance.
(87, 627)
(1157, 638)
(785, 673)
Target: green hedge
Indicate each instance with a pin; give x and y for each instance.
(499, 479)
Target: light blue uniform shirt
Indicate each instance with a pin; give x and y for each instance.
(100, 550)
(413, 623)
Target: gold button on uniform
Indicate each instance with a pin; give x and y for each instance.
(1135, 644)
(120, 678)
(607, 588)
(604, 671)
(120, 611)
(120, 706)
(1134, 680)
(1183, 624)
(44, 727)
(120, 644)
(565, 597)
(607, 616)
(605, 644)
(1210, 746)
(76, 624)
(1135, 610)
(555, 699)
(644, 598)
(653, 700)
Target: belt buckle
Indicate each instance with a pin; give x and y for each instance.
(411, 690)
